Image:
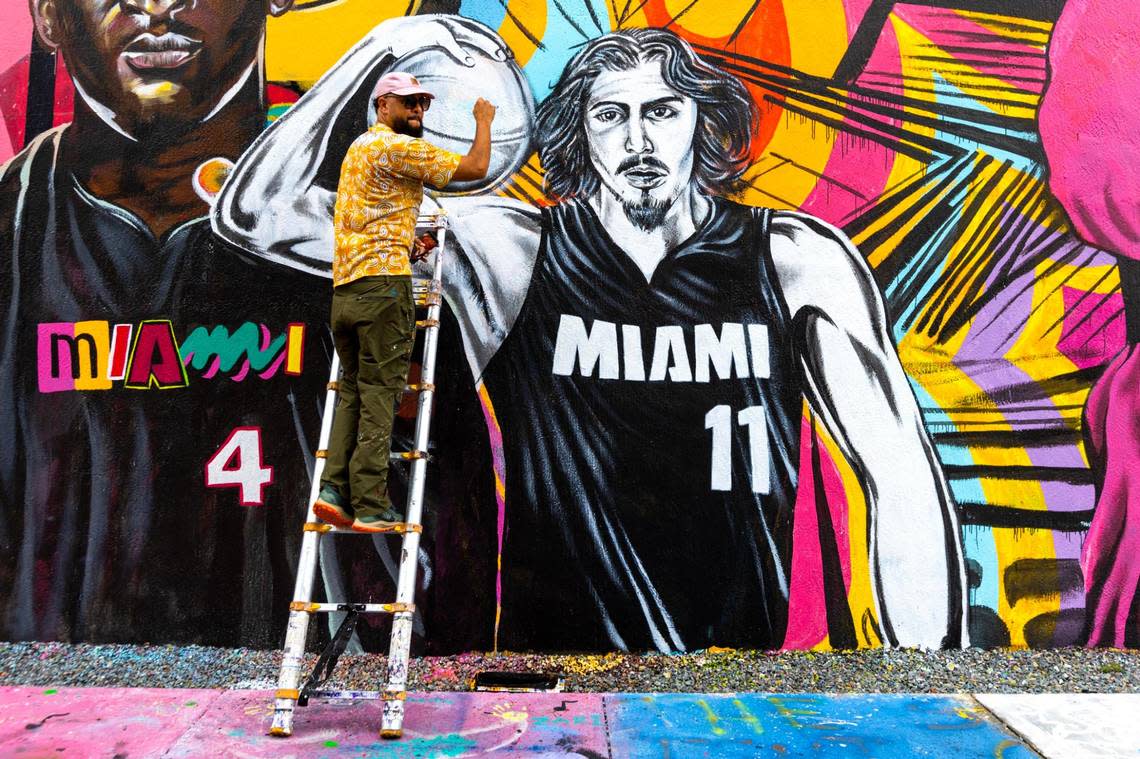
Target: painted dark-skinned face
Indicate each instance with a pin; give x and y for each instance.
(156, 61)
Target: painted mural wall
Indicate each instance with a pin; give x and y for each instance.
(775, 324)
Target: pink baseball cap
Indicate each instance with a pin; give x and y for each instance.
(399, 83)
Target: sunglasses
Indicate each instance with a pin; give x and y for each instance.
(411, 101)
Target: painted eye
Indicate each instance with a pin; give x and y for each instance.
(662, 112)
(608, 116)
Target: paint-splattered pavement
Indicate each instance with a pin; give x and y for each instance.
(139, 722)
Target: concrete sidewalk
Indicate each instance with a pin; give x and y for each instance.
(122, 722)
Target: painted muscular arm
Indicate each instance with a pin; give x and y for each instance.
(857, 385)
(491, 255)
(278, 201)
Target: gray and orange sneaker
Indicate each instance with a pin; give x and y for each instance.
(330, 507)
(386, 521)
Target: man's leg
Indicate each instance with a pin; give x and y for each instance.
(385, 350)
(334, 507)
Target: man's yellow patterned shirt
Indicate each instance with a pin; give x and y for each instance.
(378, 199)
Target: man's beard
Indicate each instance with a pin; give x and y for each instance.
(403, 127)
(647, 214)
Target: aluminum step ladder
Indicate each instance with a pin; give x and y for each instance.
(289, 691)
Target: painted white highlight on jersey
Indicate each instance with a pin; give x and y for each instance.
(624, 550)
(761, 356)
(727, 355)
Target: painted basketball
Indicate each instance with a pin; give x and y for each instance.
(450, 123)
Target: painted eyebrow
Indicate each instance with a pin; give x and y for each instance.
(668, 99)
(612, 103)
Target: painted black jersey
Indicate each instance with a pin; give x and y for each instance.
(651, 433)
(160, 399)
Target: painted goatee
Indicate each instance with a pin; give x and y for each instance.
(647, 214)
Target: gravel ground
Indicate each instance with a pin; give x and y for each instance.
(1070, 670)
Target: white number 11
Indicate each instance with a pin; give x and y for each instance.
(719, 420)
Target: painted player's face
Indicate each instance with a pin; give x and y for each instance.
(640, 133)
(156, 62)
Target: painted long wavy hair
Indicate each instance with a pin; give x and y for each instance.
(725, 113)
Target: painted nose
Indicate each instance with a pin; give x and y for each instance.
(156, 8)
(637, 141)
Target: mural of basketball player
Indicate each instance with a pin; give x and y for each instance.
(647, 344)
(143, 500)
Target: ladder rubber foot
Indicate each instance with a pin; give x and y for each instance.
(279, 732)
(391, 734)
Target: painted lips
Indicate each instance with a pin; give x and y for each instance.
(148, 53)
(644, 178)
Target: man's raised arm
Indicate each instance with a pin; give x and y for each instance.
(278, 201)
(858, 386)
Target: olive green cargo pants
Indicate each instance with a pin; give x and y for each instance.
(374, 328)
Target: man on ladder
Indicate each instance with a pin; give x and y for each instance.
(373, 317)
(373, 324)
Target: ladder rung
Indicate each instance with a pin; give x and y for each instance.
(422, 387)
(426, 323)
(408, 455)
(360, 695)
(333, 386)
(398, 527)
(292, 695)
(321, 453)
(315, 608)
(434, 220)
(427, 299)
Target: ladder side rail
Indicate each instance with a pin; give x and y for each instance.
(297, 630)
(400, 646)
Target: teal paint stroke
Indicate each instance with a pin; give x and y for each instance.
(205, 344)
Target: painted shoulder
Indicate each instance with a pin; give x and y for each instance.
(16, 168)
(818, 267)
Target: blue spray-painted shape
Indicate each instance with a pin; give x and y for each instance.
(750, 725)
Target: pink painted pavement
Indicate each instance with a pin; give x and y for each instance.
(140, 722)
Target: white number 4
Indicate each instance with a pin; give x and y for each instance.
(238, 464)
(719, 420)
